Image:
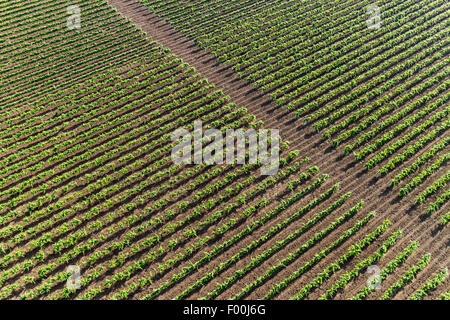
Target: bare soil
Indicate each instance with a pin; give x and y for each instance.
(351, 177)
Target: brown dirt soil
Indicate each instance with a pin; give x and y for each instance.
(352, 177)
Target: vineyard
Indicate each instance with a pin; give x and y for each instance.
(358, 208)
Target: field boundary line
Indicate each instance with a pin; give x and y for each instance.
(242, 93)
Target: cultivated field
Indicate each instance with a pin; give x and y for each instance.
(90, 194)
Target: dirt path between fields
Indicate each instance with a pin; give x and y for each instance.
(241, 93)
(351, 176)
